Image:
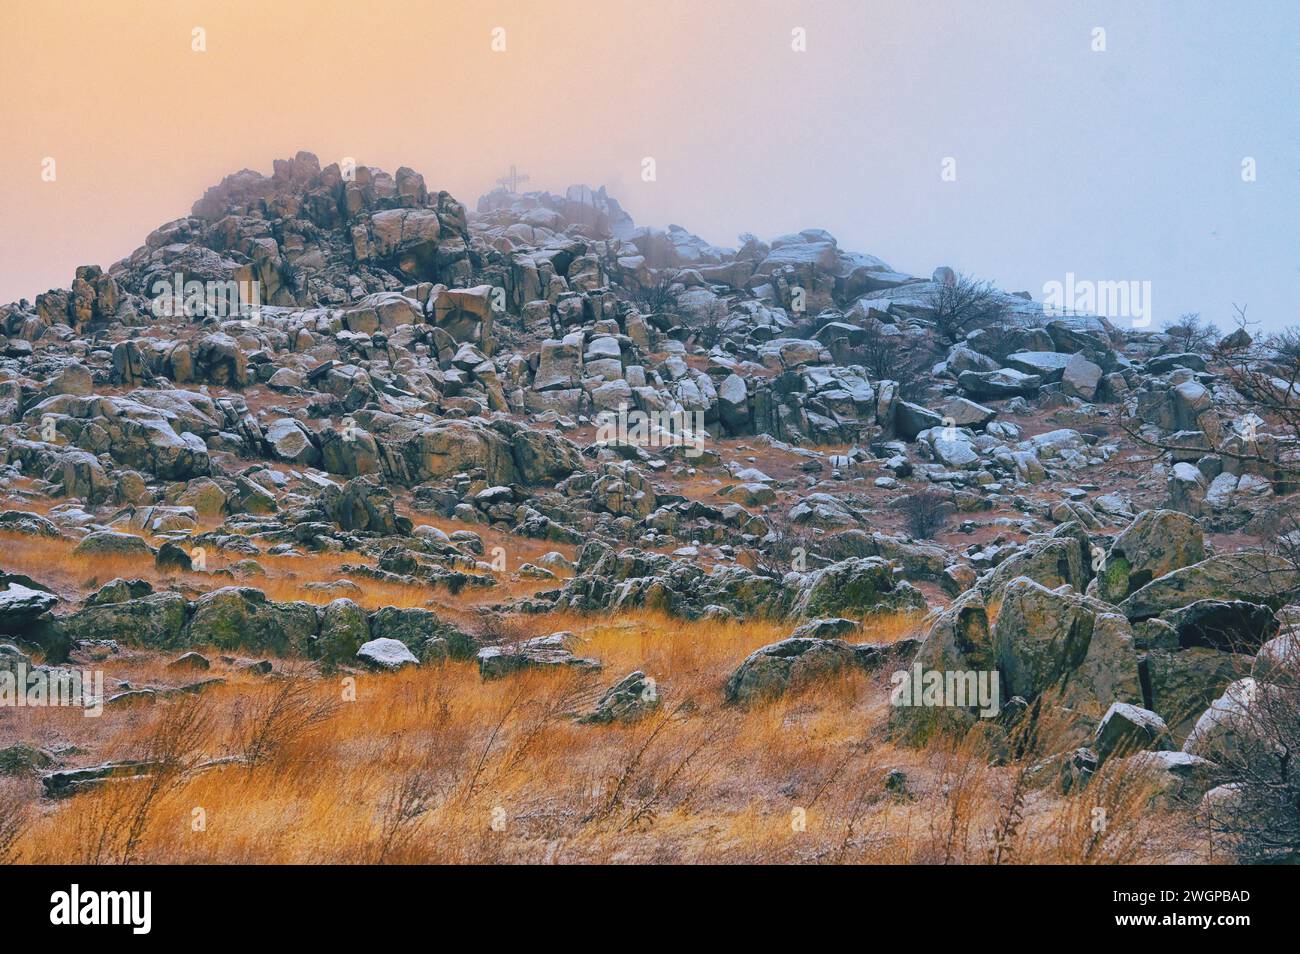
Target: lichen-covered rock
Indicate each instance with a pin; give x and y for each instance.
(792, 663)
(1252, 577)
(1126, 728)
(629, 699)
(1046, 639)
(422, 632)
(157, 621)
(541, 652)
(860, 585)
(114, 544)
(1234, 626)
(1155, 543)
(240, 617)
(344, 627)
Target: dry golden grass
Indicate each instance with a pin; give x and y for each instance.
(435, 765)
(287, 577)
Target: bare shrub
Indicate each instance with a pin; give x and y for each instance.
(499, 629)
(924, 512)
(1259, 817)
(115, 817)
(279, 716)
(964, 305)
(710, 326)
(14, 816)
(1190, 332)
(654, 298)
(789, 548)
(889, 356)
(405, 802)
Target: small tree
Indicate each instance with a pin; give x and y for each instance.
(711, 324)
(1259, 813)
(924, 512)
(964, 304)
(657, 297)
(883, 354)
(1192, 333)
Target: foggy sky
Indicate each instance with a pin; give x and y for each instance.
(1116, 165)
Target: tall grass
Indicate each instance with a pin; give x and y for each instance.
(435, 765)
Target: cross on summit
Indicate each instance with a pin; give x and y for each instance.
(511, 182)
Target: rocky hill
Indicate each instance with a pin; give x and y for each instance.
(334, 416)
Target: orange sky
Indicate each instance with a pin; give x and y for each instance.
(139, 124)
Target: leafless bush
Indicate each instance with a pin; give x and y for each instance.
(1190, 332)
(651, 777)
(657, 297)
(710, 325)
(279, 716)
(965, 304)
(892, 357)
(1260, 816)
(789, 548)
(114, 817)
(173, 747)
(499, 629)
(405, 803)
(14, 815)
(924, 512)
(1286, 345)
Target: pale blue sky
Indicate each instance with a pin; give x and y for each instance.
(1120, 165)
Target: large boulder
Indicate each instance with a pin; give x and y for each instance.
(111, 543)
(365, 504)
(543, 457)
(466, 314)
(911, 419)
(859, 585)
(1252, 577)
(1232, 626)
(1278, 661)
(1080, 378)
(386, 655)
(1056, 639)
(1059, 559)
(560, 364)
(289, 440)
(218, 359)
(421, 631)
(238, 617)
(541, 652)
(629, 699)
(344, 629)
(420, 452)
(20, 606)
(1183, 682)
(1049, 365)
(1004, 383)
(156, 621)
(958, 641)
(778, 668)
(1155, 543)
(1126, 728)
(1232, 725)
